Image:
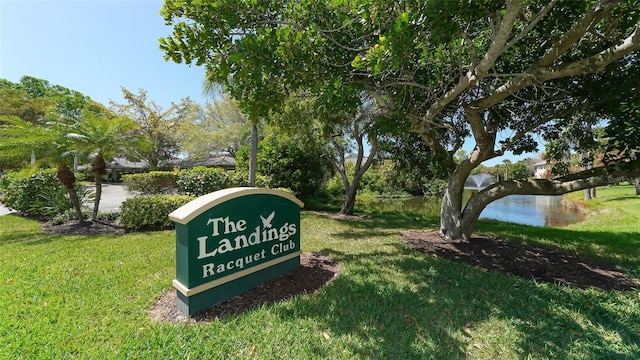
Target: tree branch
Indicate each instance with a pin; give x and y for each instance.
(599, 176)
(498, 41)
(536, 74)
(541, 14)
(596, 13)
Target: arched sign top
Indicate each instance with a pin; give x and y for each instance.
(192, 209)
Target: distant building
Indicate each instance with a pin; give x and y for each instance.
(120, 165)
(542, 170)
(225, 162)
(352, 158)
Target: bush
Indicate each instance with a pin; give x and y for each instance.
(435, 187)
(238, 178)
(202, 180)
(152, 183)
(287, 162)
(150, 211)
(38, 194)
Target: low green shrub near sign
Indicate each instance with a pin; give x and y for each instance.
(152, 183)
(202, 180)
(151, 211)
(89, 297)
(198, 181)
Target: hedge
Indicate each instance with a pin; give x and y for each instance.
(202, 180)
(150, 211)
(152, 183)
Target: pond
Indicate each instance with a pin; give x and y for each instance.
(535, 210)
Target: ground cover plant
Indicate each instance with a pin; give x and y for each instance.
(90, 296)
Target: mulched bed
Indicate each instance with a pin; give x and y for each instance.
(315, 271)
(523, 260)
(84, 228)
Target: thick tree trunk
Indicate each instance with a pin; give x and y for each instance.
(638, 186)
(349, 200)
(451, 222)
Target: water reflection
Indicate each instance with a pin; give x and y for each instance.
(535, 210)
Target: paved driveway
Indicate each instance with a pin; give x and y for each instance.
(112, 196)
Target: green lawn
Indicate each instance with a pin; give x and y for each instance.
(89, 297)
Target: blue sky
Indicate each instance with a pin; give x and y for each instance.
(94, 47)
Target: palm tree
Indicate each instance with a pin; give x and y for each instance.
(24, 140)
(99, 138)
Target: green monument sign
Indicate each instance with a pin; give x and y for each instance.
(232, 240)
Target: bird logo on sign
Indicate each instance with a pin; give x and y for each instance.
(267, 222)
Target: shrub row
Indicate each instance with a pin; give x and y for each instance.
(203, 180)
(152, 183)
(197, 181)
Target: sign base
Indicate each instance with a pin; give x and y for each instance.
(195, 303)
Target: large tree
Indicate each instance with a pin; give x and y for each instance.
(350, 132)
(345, 132)
(158, 127)
(496, 73)
(220, 126)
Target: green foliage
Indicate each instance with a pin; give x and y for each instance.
(38, 194)
(435, 187)
(414, 163)
(520, 171)
(16, 102)
(202, 180)
(152, 183)
(219, 126)
(448, 70)
(240, 178)
(151, 211)
(286, 161)
(377, 181)
(158, 128)
(290, 164)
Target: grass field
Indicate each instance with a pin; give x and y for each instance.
(89, 297)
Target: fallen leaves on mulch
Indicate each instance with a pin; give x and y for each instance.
(523, 260)
(315, 271)
(84, 228)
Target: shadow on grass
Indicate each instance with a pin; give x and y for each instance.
(409, 305)
(384, 220)
(403, 304)
(16, 229)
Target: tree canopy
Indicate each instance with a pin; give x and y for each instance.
(498, 73)
(157, 127)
